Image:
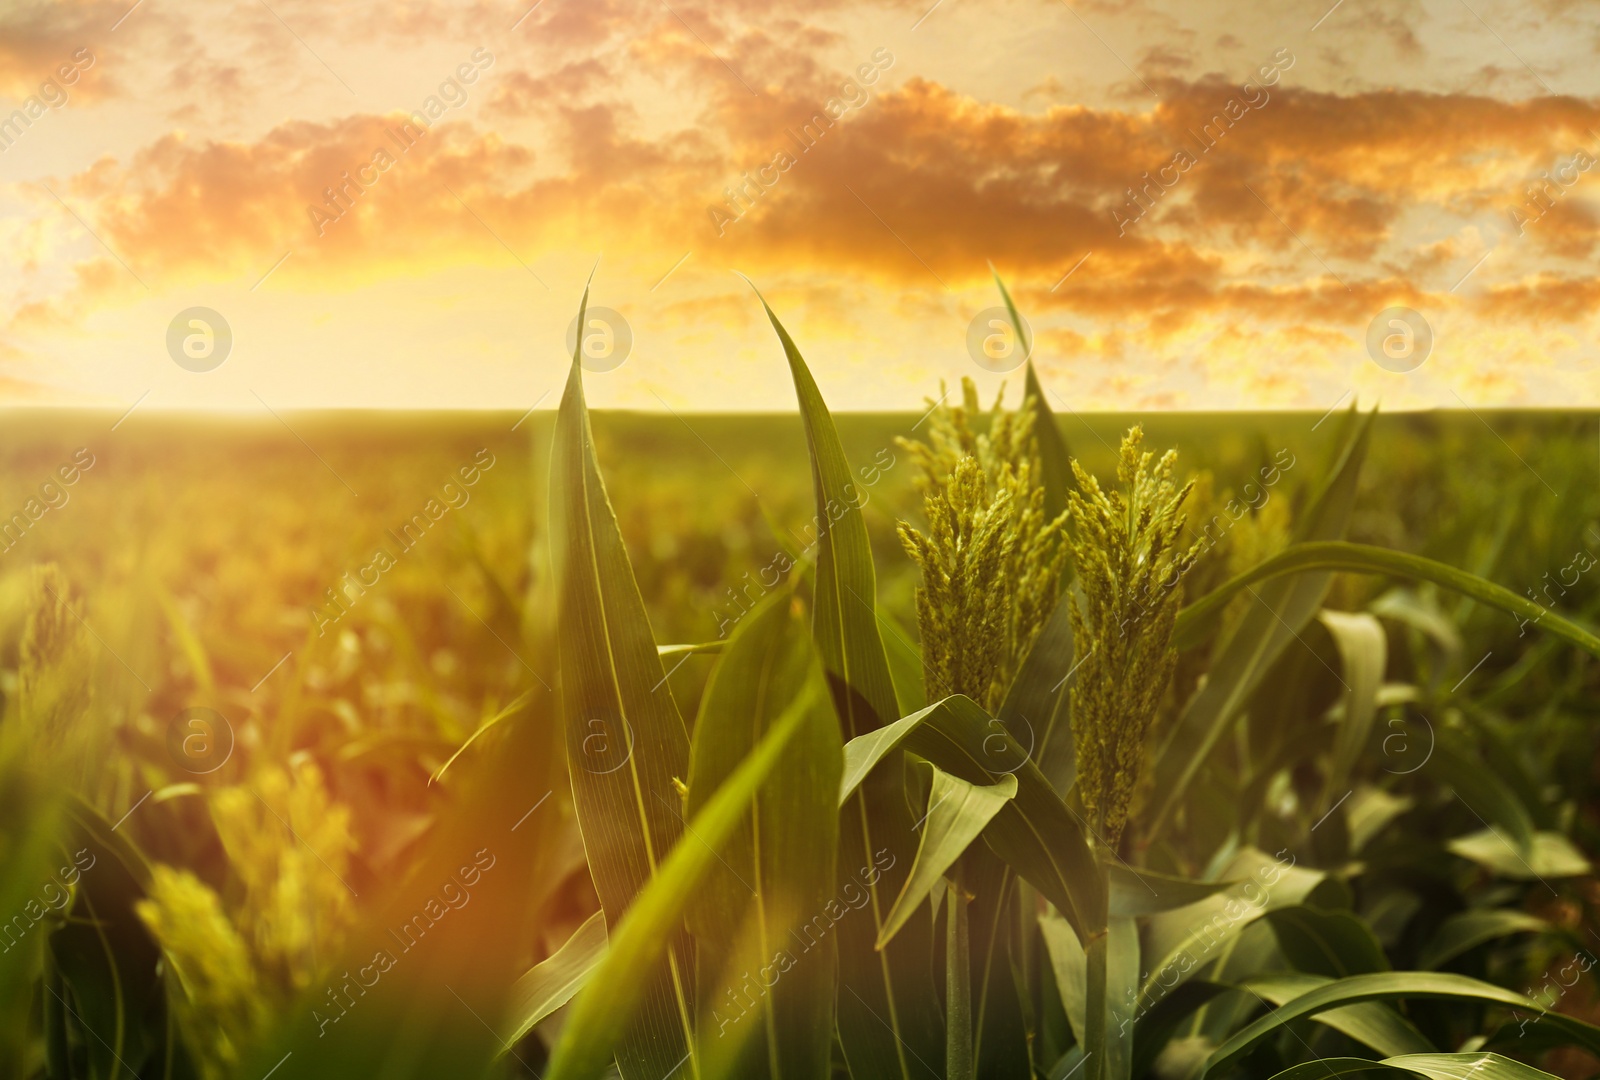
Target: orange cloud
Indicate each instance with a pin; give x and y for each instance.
(1297, 205)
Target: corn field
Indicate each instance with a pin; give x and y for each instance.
(1004, 758)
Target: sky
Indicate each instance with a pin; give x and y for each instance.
(1197, 205)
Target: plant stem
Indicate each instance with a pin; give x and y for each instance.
(1094, 1035)
(958, 983)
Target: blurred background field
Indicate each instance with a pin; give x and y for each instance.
(199, 547)
(239, 526)
(195, 550)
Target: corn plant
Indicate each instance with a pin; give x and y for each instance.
(1003, 811)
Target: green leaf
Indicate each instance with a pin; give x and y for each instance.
(1254, 948)
(765, 908)
(1364, 652)
(626, 741)
(1187, 939)
(1368, 810)
(1316, 558)
(1330, 943)
(1035, 832)
(1270, 623)
(109, 965)
(892, 992)
(1479, 786)
(1497, 738)
(30, 816)
(512, 709)
(1371, 1023)
(1001, 1021)
(1550, 856)
(863, 753)
(1432, 1066)
(1469, 929)
(1386, 986)
(1161, 1021)
(957, 812)
(1069, 963)
(1121, 996)
(1053, 454)
(1422, 615)
(606, 1008)
(1038, 706)
(1146, 892)
(553, 981)
(905, 667)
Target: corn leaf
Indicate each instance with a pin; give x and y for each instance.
(1121, 996)
(1390, 985)
(1469, 929)
(605, 1010)
(1148, 892)
(1549, 855)
(1037, 709)
(1035, 832)
(763, 916)
(625, 738)
(704, 648)
(30, 812)
(1329, 943)
(1069, 963)
(1053, 454)
(1159, 1023)
(1186, 939)
(109, 968)
(1486, 795)
(1371, 1023)
(1316, 557)
(957, 813)
(553, 981)
(1431, 1066)
(958, 1054)
(1001, 1022)
(1280, 611)
(894, 991)
(483, 728)
(1364, 654)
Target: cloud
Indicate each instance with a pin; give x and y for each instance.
(48, 48)
(521, 94)
(1300, 208)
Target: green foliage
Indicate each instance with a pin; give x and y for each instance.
(615, 991)
(552, 982)
(762, 912)
(613, 686)
(891, 988)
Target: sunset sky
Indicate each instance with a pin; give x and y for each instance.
(1326, 162)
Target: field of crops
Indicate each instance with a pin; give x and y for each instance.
(344, 745)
